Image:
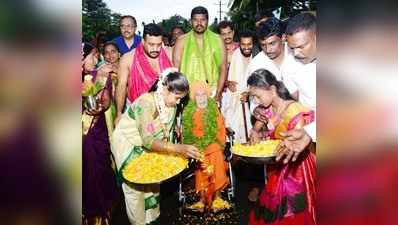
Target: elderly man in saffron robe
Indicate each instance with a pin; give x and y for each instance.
(203, 127)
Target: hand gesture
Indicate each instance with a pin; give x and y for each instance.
(254, 137)
(96, 111)
(232, 85)
(189, 151)
(294, 142)
(244, 96)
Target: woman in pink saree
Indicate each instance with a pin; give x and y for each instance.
(289, 194)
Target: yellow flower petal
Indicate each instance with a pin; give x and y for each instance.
(263, 149)
(154, 167)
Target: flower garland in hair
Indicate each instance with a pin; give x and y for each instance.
(159, 101)
(209, 123)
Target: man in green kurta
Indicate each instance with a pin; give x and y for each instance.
(200, 54)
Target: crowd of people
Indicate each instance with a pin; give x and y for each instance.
(259, 84)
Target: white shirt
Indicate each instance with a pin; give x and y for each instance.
(304, 81)
(261, 61)
(295, 76)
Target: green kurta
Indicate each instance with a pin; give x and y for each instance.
(202, 64)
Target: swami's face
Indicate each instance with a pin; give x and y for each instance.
(201, 99)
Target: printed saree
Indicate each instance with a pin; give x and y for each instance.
(137, 129)
(288, 197)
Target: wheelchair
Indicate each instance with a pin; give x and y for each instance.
(230, 190)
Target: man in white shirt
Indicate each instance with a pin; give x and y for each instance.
(275, 57)
(301, 38)
(232, 106)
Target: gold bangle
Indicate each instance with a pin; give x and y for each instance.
(168, 147)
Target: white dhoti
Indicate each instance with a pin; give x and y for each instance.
(231, 106)
(232, 110)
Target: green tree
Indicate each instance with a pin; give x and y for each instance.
(242, 12)
(214, 25)
(168, 24)
(96, 16)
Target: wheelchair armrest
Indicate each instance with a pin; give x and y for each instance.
(230, 132)
(228, 152)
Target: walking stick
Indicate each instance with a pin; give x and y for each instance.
(244, 121)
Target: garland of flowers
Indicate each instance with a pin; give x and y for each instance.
(161, 107)
(159, 102)
(209, 121)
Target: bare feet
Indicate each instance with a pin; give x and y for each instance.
(219, 204)
(197, 207)
(253, 194)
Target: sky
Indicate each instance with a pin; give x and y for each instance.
(148, 10)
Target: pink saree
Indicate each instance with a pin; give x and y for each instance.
(288, 197)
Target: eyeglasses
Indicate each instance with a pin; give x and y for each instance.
(128, 26)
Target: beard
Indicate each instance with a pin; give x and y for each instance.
(246, 54)
(152, 54)
(199, 29)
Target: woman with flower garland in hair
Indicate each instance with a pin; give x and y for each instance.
(288, 197)
(203, 127)
(147, 125)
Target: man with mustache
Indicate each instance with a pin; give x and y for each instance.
(301, 39)
(128, 39)
(200, 54)
(140, 68)
(235, 95)
(227, 32)
(260, 18)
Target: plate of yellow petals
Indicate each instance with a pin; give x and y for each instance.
(154, 167)
(260, 153)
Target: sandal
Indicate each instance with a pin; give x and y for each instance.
(219, 204)
(197, 207)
